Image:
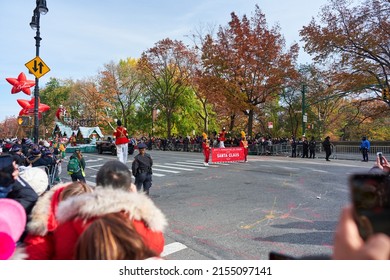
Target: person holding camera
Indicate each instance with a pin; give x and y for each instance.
(348, 243)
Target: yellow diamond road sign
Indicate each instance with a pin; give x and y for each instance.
(37, 67)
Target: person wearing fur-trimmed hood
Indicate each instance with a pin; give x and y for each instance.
(43, 223)
(114, 193)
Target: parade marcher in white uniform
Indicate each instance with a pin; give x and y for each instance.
(121, 142)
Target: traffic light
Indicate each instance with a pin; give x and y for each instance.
(24, 120)
(385, 94)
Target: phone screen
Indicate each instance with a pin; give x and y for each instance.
(370, 195)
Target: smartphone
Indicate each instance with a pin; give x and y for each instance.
(370, 194)
(379, 154)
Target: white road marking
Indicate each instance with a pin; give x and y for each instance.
(190, 163)
(198, 162)
(195, 161)
(290, 168)
(180, 165)
(322, 171)
(158, 174)
(93, 160)
(93, 166)
(173, 167)
(219, 163)
(163, 170)
(173, 248)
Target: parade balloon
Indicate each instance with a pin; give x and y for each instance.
(21, 84)
(28, 107)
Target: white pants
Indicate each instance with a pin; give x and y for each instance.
(122, 152)
(221, 144)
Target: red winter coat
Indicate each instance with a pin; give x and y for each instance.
(76, 213)
(42, 224)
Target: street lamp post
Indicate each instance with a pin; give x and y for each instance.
(40, 8)
(304, 116)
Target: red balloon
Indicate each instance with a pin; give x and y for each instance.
(21, 84)
(28, 107)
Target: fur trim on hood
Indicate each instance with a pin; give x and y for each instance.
(108, 200)
(42, 211)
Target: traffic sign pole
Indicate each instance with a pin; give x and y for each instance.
(303, 110)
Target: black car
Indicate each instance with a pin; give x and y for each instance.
(108, 145)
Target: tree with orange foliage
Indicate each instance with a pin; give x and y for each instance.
(355, 42)
(9, 128)
(251, 60)
(92, 102)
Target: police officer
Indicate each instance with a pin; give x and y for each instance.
(142, 169)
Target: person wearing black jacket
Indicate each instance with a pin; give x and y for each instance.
(293, 143)
(14, 187)
(142, 169)
(312, 147)
(305, 147)
(327, 148)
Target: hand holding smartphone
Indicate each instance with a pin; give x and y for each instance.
(370, 194)
(380, 155)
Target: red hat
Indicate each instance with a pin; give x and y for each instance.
(12, 225)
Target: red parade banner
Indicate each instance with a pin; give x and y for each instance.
(227, 154)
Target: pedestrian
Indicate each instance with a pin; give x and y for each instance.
(365, 148)
(19, 157)
(206, 149)
(113, 193)
(121, 142)
(43, 221)
(14, 187)
(222, 138)
(327, 147)
(312, 147)
(164, 144)
(142, 169)
(76, 166)
(293, 147)
(305, 147)
(244, 144)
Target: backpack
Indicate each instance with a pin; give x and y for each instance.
(73, 166)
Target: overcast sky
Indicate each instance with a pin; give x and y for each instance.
(79, 37)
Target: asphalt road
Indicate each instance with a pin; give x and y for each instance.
(242, 211)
